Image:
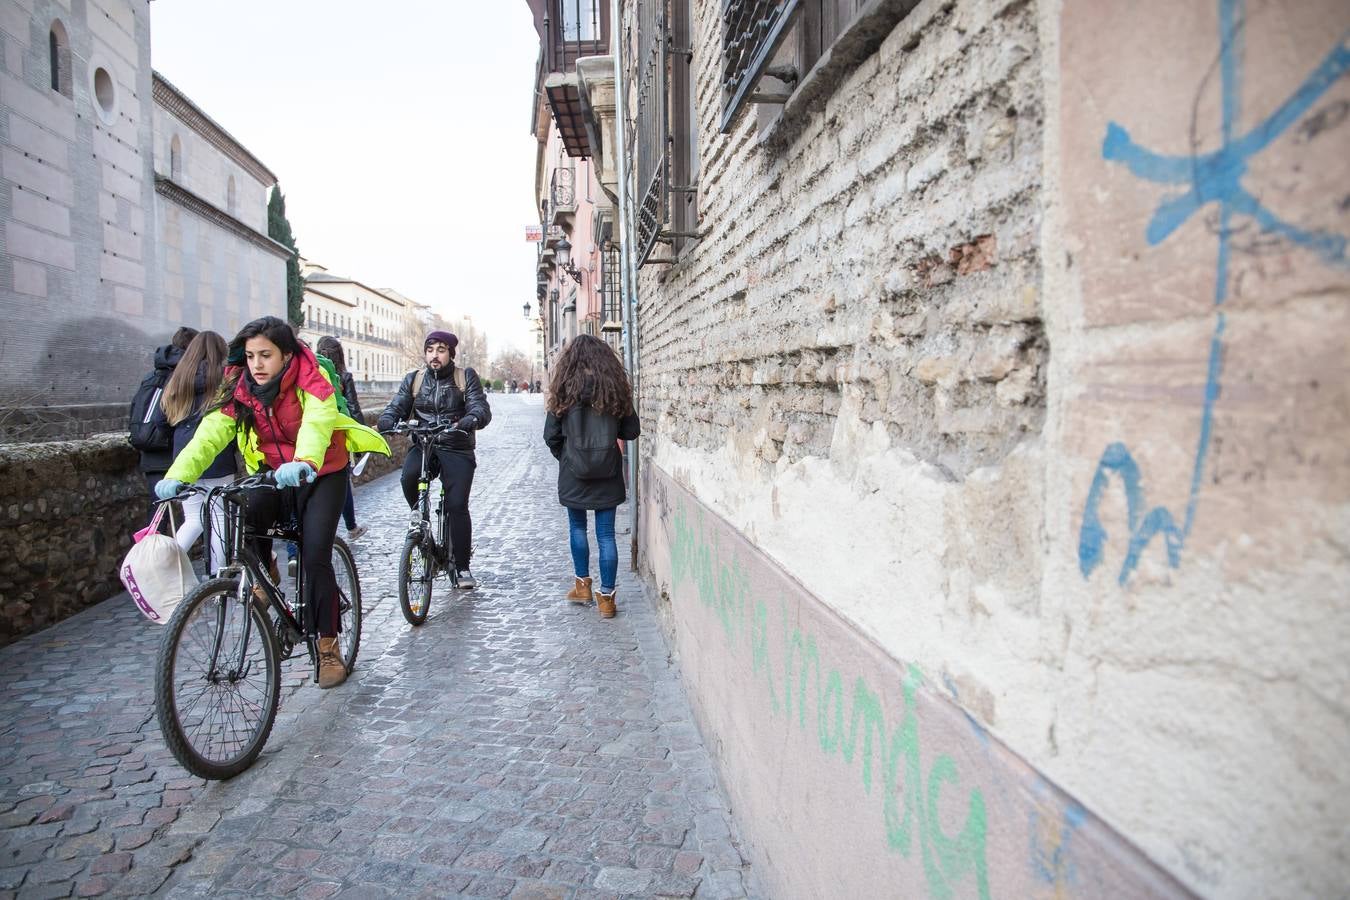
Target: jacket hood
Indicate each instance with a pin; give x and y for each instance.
(303, 372)
(167, 357)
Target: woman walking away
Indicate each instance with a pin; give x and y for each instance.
(331, 349)
(281, 410)
(590, 409)
(193, 385)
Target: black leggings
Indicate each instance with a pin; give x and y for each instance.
(456, 471)
(317, 506)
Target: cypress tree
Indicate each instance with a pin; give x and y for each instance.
(279, 230)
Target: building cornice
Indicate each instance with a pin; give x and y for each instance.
(342, 300)
(361, 284)
(176, 102)
(175, 192)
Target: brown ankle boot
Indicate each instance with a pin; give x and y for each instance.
(581, 592)
(605, 603)
(331, 670)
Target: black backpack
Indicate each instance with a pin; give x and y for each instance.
(150, 429)
(591, 448)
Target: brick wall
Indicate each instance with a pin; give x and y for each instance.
(934, 358)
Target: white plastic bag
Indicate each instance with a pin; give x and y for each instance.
(156, 571)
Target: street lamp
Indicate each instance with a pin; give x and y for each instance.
(564, 256)
(526, 308)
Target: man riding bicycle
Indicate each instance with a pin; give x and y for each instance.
(443, 394)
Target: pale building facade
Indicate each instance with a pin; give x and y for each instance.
(377, 328)
(107, 246)
(993, 361)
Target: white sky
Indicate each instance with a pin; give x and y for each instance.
(399, 131)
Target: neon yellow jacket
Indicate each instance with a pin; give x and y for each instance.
(320, 419)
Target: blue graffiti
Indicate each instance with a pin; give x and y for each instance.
(1214, 177)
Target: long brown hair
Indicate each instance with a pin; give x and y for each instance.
(331, 347)
(180, 393)
(588, 371)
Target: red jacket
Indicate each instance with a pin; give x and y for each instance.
(279, 427)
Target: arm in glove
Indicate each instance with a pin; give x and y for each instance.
(468, 423)
(294, 474)
(168, 488)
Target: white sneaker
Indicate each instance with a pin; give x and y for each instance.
(355, 533)
(466, 580)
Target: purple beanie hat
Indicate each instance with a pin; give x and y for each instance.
(443, 337)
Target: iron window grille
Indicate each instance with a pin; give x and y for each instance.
(647, 154)
(575, 28)
(752, 31)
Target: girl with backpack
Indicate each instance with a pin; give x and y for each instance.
(331, 349)
(278, 406)
(590, 409)
(187, 394)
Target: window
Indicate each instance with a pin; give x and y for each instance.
(58, 59)
(751, 32)
(176, 159)
(105, 95)
(230, 196)
(684, 166)
(580, 21)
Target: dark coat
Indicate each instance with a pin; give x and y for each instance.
(349, 394)
(166, 359)
(592, 493)
(223, 465)
(440, 402)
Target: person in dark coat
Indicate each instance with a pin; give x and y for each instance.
(154, 463)
(590, 409)
(331, 348)
(441, 395)
(187, 395)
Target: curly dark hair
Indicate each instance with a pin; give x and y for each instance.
(588, 371)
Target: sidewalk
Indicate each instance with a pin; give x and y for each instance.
(516, 745)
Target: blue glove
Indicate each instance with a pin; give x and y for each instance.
(294, 474)
(167, 488)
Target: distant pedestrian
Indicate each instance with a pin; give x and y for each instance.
(331, 348)
(590, 409)
(187, 395)
(150, 432)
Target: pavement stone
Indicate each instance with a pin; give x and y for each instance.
(516, 745)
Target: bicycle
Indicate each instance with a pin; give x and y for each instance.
(426, 551)
(218, 675)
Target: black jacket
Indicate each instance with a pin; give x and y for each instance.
(166, 359)
(441, 402)
(587, 493)
(349, 394)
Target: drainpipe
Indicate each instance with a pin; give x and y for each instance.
(627, 278)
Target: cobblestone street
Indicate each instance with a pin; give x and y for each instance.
(516, 745)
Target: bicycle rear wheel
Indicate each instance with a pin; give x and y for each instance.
(215, 714)
(416, 572)
(349, 603)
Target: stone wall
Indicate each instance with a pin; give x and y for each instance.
(959, 353)
(67, 513)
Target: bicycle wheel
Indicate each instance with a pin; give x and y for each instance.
(215, 714)
(416, 571)
(349, 603)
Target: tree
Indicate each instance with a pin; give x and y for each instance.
(279, 230)
(509, 364)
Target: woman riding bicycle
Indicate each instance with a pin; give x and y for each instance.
(281, 410)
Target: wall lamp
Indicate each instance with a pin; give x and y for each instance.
(564, 257)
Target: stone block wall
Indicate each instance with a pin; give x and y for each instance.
(1012, 380)
(67, 513)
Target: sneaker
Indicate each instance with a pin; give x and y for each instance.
(466, 580)
(290, 567)
(355, 533)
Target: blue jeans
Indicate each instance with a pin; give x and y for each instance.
(604, 539)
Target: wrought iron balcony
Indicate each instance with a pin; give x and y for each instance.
(562, 195)
(569, 30)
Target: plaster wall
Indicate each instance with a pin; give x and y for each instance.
(76, 201)
(960, 357)
(206, 171)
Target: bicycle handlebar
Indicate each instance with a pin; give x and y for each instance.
(265, 479)
(418, 430)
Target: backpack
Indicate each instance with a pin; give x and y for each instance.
(330, 370)
(421, 377)
(150, 429)
(591, 448)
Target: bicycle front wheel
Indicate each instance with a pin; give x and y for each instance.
(217, 681)
(416, 571)
(349, 603)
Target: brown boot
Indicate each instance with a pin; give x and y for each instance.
(605, 603)
(331, 670)
(581, 592)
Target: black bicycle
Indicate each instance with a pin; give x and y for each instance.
(427, 551)
(218, 677)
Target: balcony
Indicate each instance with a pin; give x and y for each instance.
(562, 196)
(569, 30)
